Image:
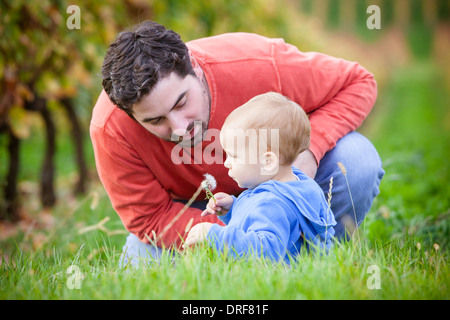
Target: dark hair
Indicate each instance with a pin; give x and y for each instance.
(138, 59)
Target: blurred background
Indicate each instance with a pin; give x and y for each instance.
(50, 78)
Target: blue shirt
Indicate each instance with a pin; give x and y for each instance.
(275, 219)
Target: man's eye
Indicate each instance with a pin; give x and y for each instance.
(181, 104)
(155, 121)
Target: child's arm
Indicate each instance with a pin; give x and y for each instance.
(265, 231)
(220, 205)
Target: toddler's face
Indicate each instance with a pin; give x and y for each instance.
(242, 160)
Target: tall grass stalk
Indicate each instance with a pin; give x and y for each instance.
(349, 223)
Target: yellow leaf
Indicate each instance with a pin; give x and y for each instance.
(19, 122)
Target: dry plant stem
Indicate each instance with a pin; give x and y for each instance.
(353, 205)
(98, 226)
(329, 195)
(329, 204)
(344, 172)
(180, 213)
(101, 226)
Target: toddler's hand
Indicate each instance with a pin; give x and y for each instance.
(197, 234)
(219, 207)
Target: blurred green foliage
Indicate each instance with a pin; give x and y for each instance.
(41, 56)
(413, 142)
(45, 64)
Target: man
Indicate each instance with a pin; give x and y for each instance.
(163, 98)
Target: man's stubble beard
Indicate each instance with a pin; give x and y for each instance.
(200, 126)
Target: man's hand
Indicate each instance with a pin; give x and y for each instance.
(219, 207)
(307, 163)
(197, 234)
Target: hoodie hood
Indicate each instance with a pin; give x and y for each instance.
(315, 217)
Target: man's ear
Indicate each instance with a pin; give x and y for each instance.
(269, 163)
(197, 69)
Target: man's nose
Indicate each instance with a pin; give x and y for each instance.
(179, 125)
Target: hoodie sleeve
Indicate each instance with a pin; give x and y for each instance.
(260, 228)
(227, 217)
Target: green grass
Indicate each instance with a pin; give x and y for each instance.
(406, 272)
(406, 234)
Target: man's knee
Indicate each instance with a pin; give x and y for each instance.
(357, 171)
(357, 159)
(364, 172)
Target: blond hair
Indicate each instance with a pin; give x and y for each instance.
(274, 111)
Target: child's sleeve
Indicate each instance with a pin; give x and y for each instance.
(227, 217)
(262, 231)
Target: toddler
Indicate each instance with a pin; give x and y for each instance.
(282, 209)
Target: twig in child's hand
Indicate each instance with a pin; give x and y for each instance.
(208, 185)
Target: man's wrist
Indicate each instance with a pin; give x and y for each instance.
(306, 162)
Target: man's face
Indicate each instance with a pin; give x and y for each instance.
(177, 109)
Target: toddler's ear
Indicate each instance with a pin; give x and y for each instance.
(269, 163)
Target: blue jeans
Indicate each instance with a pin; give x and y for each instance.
(352, 193)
